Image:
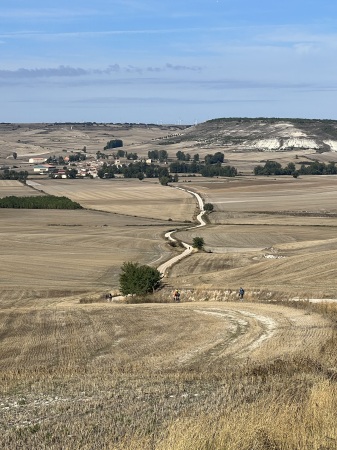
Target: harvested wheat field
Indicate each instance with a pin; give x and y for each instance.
(276, 234)
(14, 187)
(306, 194)
(78, 372)
(74, 250)
(164, 376)
(131, 197)
(84, 249)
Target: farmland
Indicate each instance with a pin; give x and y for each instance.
(78, 372)
(138, 199)
(131, 376)
(268, 233)
(75, 249)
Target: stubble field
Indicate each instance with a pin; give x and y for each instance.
(195, 375)
(275, 234)
(131, 197)
(84, 249)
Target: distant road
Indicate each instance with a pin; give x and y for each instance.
(189, 249)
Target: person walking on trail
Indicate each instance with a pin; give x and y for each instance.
(176, 296)
(241, 293)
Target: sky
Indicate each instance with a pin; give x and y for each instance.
(167, 61)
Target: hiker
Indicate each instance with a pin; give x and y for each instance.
(177, 296)
(110, 297)
(241, 293)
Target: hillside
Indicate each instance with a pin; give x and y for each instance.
(263, 134)
(230, 134)
(246, 142)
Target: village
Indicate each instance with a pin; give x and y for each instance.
(80, 164)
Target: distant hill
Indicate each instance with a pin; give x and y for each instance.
(261, 134)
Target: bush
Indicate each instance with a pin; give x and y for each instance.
(198, 242)
(164, 181)
(209, 207)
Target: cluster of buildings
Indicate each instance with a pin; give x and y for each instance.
(85, 168)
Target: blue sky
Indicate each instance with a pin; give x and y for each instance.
(160, 61)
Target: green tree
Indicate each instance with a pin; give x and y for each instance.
(39, 202)
(13, 175)
(153, 154)
(218, 157)
(209, 207)
(164, 180)
(120, 153)
(180, 155)
(132, 156)
(71, 173)
(138, 279)
(290, 169)
(198, 243)
(114, 143)
(162, 156)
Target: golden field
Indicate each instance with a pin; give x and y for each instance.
(277, 234)
(209, 373)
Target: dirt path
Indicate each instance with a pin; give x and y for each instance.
(258, 332)
(189, 249)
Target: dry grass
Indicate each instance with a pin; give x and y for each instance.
(209, 373)
(166, 376)
(315, 194)
(271, 423)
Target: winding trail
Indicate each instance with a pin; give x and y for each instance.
(189, 249)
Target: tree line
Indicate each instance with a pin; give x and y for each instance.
(14, 175)
(308, 168)
(114, 143)
(138, 169)
(39, 202)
